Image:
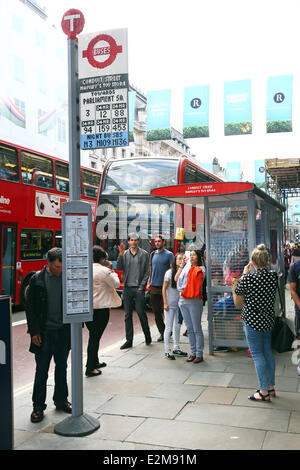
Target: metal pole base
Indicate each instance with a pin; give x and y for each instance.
(77, 426)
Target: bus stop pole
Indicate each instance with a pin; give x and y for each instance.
(208, 274)
(80, 424)
(75, 194)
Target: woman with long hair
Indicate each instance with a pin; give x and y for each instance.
(171, 310)
(190, 279)
(259, 291)
(105, 281)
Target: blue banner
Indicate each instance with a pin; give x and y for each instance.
(196, 112)
(237, 108)
(233, 171)
(158, 115)
(259, 173)
(279, 104)
(131, 112)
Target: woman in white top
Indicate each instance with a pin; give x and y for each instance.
(105, 281)
(171, 310)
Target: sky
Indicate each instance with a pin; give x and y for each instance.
(175, 44)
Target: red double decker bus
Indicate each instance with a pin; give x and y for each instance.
(125, 204)
(33, 187)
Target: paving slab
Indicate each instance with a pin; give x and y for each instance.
(243, 417)
(177, 391)
(92, 400)
(127, 360)
(217, 379)
(281, 441)
(162, 375)
(161, 362)
(283, 401)
(116, 428)
(294, 426)
(218, 395)
(187, 435)
(121, 372)
(286, 384)
(48, 441)
(130, 388)
(144, 407)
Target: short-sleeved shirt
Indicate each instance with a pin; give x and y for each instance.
(259, 291)
(294, 276)
(160, 264)
(171, 292)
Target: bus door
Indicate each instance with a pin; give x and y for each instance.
(8, 248)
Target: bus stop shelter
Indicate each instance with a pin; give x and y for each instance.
(238, 217)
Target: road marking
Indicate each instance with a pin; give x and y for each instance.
(21, 322)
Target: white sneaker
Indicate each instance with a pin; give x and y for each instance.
(298, 369)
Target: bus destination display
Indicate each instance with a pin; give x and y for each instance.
(103, 88)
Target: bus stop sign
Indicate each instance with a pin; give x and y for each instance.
(72, 23)
(112, 51)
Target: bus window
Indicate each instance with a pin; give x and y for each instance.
(90, 182)
(35, 243)
(36, 170)
(58, 239)
(62, 176)
(9, 169)
(193, 175)
(139, 176)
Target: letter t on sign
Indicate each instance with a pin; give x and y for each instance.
(72, 23)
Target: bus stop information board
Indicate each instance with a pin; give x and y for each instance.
(77, 268)
(103, 87)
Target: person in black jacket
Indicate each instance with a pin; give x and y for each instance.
(49, 336)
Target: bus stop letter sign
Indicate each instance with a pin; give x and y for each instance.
(72, 23)
(112, 50)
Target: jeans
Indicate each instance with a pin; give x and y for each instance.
(133, 296)
(171, 319)
(297, 322)
(191, 310)
(157, 304)
(96, 329)
(54, 343)
(260, 346)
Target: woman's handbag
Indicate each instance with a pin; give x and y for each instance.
(282, 335)
(237, 299)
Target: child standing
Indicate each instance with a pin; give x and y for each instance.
(171, 310)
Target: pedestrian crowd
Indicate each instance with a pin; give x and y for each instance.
(177, 286)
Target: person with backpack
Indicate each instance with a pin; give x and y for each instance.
(190, 279)
(171, 310)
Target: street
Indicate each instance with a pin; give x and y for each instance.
(24, 362)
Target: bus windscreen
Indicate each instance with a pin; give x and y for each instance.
(139, 177)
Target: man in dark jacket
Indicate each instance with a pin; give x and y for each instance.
(49, 336)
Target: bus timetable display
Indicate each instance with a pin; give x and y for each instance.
(103, 88)
(104, 118)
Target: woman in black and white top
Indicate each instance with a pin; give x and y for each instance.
(259, 291)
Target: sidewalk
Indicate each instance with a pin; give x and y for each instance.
(144, 401)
